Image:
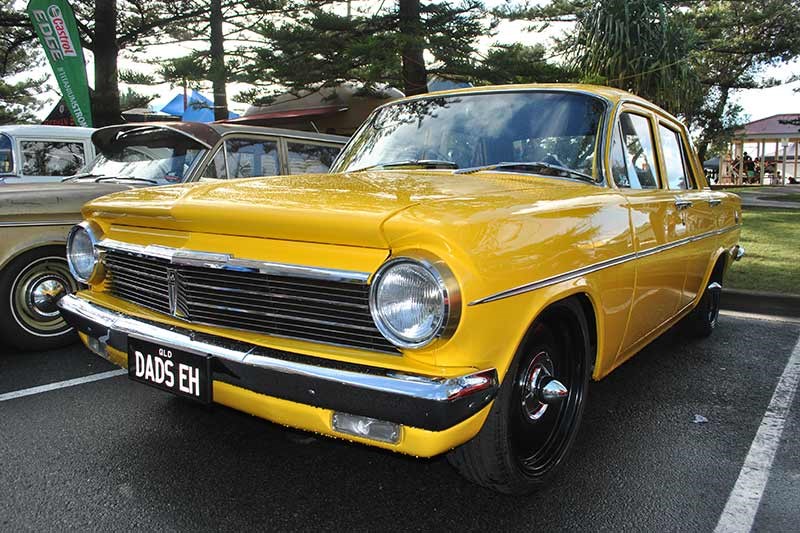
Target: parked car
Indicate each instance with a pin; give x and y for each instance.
(39, 154)
(35, 218)
(475, 257)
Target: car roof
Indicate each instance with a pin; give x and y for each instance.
(209, 133)
(225, 128)
(46, 131)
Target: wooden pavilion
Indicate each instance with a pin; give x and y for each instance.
(763, 152)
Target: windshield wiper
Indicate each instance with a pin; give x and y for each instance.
(120, 178)
(533, 165)
(427, 163)
(81, 176)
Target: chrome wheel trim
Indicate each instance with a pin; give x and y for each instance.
(33, 295)
(531, 381)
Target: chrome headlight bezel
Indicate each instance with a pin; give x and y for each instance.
(94, 233)
(444, 281)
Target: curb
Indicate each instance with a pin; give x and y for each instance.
(761, 303)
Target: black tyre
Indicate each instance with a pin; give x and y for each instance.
(703, 319)
(29, 288)
(527, 435)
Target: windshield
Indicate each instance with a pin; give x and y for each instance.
(162, 156)
(474, 130)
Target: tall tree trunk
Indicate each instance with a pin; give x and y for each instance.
(105, 102)
(217, 72)
(415, 76)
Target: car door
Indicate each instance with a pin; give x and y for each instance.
(656, 223)
(696, 222)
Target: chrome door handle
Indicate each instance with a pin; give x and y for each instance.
(683, 204)
(714, 202)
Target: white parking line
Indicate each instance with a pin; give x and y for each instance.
(745, 498)
(61, 384)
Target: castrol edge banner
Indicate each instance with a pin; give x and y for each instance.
(55, 25)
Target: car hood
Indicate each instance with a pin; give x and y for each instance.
(26, 200)
(347, 209)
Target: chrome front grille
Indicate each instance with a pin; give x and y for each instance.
(332, 312)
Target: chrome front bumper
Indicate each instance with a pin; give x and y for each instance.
(425, 402)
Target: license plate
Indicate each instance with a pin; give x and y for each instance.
(183, 373)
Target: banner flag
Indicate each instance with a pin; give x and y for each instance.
(55, 25)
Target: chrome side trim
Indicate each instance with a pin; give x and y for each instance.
(35, 223)
(372, 378)
(228, 262)
(583, 271)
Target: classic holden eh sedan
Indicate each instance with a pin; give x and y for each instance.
(474, 258)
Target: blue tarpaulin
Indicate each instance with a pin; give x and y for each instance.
(199, 109)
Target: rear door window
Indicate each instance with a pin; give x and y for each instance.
(50, 158)
(307, 158)
(638, 145)
(675, 163)
(248, 157)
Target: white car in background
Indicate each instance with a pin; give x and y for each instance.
(37, 154)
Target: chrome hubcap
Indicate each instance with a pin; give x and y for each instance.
(43, 293)
(34, 295)
(539, 388)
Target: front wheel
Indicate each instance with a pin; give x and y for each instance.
(537, 412)
(29, 288)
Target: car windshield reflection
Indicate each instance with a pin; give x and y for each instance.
(479, 130)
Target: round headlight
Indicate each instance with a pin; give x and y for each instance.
(410, 302)
(81, 252)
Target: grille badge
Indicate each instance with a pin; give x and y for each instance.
(172, 290)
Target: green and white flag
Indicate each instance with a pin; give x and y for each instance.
(55, 25)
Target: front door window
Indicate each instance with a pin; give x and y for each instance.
(249, 158)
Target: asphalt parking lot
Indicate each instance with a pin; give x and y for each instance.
(115, 455)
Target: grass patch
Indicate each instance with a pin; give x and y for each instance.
(793, 197)
(771, 238)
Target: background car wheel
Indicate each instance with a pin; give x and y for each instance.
(537, 412)
(703, 319)
(29, 288)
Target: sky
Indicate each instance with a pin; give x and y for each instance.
(757, 103)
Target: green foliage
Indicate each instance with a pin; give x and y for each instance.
(136, 78)
(642, 46)
(18, 55)
(321, 47)
(131, 99)
(519, 63)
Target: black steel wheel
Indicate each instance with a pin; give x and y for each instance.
(536, 415)
(29, 287)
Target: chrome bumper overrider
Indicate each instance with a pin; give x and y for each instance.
(425, 402)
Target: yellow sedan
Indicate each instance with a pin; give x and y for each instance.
(474, 258)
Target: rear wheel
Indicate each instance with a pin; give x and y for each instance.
(537, 412)
(30, 286)
(703, 319)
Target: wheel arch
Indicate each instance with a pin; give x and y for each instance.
(17, 251)
(584, 304)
